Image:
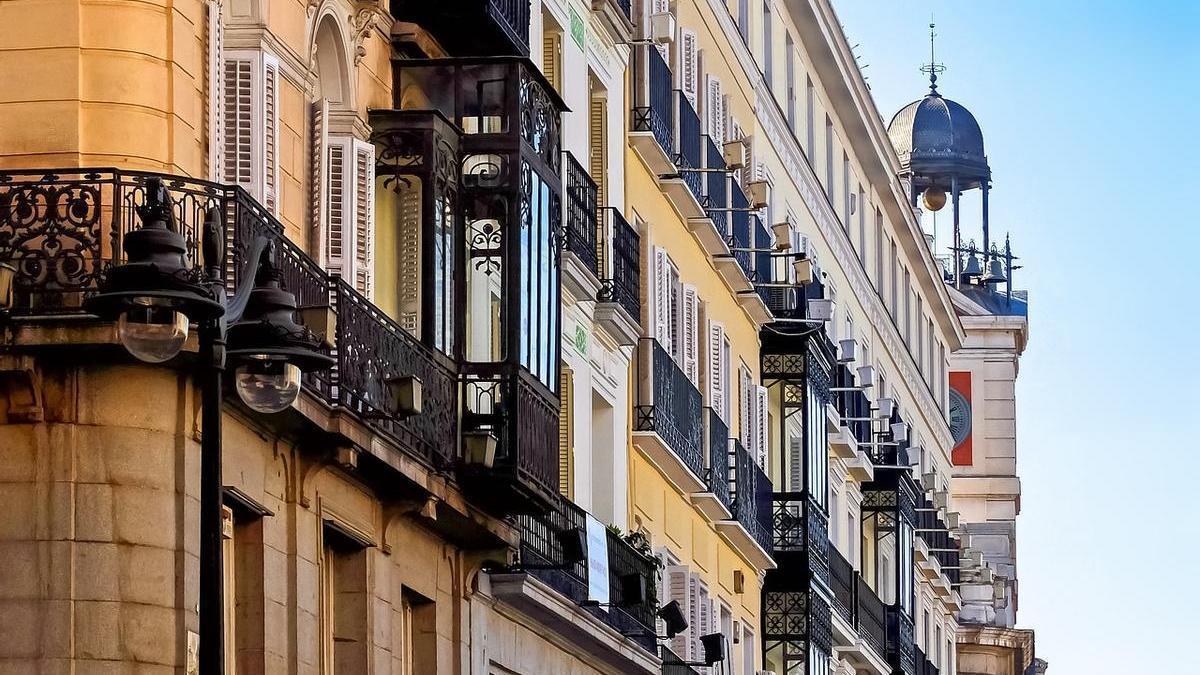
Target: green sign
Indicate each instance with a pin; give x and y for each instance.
(581, 340)
(577, 28)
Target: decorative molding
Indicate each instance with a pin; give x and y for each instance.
(368, 17)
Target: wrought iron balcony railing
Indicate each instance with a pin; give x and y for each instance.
(718, 459)
(620, 275)
(843, 580)
(936, 536)
(471, 27)
(672, 664)
(580, 229)
(924, 665)
(687, 145)
(852, 404)
(541, 553)
(750, 490)
(872, 618)
(63, 228)
(670, 405)
(739, 229)
(652, 97)
(716, 186)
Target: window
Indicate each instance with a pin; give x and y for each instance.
(349, 229)
(829, 157)
(768, 46)
(418, 616)
(879, 251)
(905, 327)
(862, 227)
(344, 603)
(749, 651)
(937, 646)
(849, 198)
(789, 59)
(538, 282)
(250, 129)
(835, 529)
(566, 431)
(552, 52)
(919, 348)
(810, 116)
(893, 303)
(905, 571)
(718, 370)
(744, 20)
(598, 136)
(244, 598)
(817, 444)
(214, 90)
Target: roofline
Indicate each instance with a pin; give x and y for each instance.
(839, 75)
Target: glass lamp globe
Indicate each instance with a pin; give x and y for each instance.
(151, 331)
(267, 385)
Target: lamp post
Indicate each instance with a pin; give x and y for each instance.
(154, 296)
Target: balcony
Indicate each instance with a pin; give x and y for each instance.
(652, 129)
(755, 303)
(617, 16)
(872, 618)
(581, 249)
(715, 502)
(471, 27)
(63, 228)
(667, 418)
(684, 186)
(735, 268)
(924, 665)
(712, 231)
(620, 305)
(672, 664)
(844, 582)
(749, 531)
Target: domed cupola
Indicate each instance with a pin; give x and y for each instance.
(938, 138)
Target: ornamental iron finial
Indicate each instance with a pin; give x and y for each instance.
(933, 67)
(155, 211)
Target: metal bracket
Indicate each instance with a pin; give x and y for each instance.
(22, 384)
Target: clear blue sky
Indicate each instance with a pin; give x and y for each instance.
(1089, 112)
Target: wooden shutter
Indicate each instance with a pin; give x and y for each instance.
(215, 91)
(364, 217)
(718, 369)
(270, 133)
(746, 407)
(552, 58)
(761, 425)
(238, 123)
(795, 463)
(337, 227)
(598, 144)
(714, 109)
(317, 171)
(662, 298)
(566, 433)
(703, 612)
(679, 583)
(690, 331)
(689, 57)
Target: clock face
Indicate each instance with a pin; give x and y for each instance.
(960, 417)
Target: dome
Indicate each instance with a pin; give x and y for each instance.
(937, 138)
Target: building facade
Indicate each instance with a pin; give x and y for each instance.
(642, 362)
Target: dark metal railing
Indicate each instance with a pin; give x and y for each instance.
(872, 618)
(541, 553)
(932, 530)
(842, 579)
(672, 664)
(788, 523)
(716, 186)
(64, 228)
(512, 16)
(652, 103)
(673, 410)
(761, 237)
(751, 493)
(626, 7)
(580, 228)
(852, 404)
(739, 230)
(621, 270)
(718, 458)
(687, 145)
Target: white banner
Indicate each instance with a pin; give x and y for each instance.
(597, 560)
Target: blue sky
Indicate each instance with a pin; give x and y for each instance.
(1089, 113)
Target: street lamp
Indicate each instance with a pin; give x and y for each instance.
(154, 296)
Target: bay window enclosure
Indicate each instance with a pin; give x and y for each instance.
(889, 513)
(502, 266)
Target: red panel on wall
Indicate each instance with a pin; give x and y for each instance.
(960, 418)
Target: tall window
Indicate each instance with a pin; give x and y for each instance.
(768, 47)
(895, 279)
(818, 448)
(789, 59)
(744, 20)
(862, 226)
(539, 282)
(905, 572)
(418, 616)
(879, 251)
(829, 157)
(810, 116)
(849, 196)
(344, 604)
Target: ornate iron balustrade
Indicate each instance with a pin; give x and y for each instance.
(64, 228)
(687, 145)
(652, 101)
(872, 618)
(672, 664)
(717, 477)
(580, 229)
(901, 645)
(674, 409)
(512, 16)
(750, 490)
(842, 579)
(716, 187)
(762, 259)
(542, 555)
(739, 230)
(621, 274)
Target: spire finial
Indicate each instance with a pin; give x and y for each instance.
(933, 67)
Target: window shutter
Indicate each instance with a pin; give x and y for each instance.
(566, 450)
(317, 171)
(689, 79)
(692, 648)
(270, 133)
(338, 226)
(598, 145)
(795, 463)
(704, 615)
(746, 405)
(761, 425)
(662, 298)
(717, 369)
(714, 109)
(679, 583)
(364, 217)
(216, 91)
(238, 126)
(661, 6)
(691, 334)
(552, 58)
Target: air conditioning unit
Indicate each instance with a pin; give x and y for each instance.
(929, 481)
(885, 407)
(735, 154)
(986, 575)
(820, 309)
(758, 192)
(866, 378)
(900, 432)
(804, 270)
(971, 557)
(662, 28)
(914, 456)
(941, 499)
(783, 236)
(952, 520)
(847, 350)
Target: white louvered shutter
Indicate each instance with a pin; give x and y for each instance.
(689, 57)
(718, 369)
(691, 334)
(679, 583)
(746, 407)
(364, 218)
(338, 212)
(704, 616)
(714, 109)
(317, 172)
(760, 425)
(795, 463)
(662, 298)
(216, 91)
(693, 616)
(238, 122)
(270, 133)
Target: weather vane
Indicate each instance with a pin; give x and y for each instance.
(933, 67)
